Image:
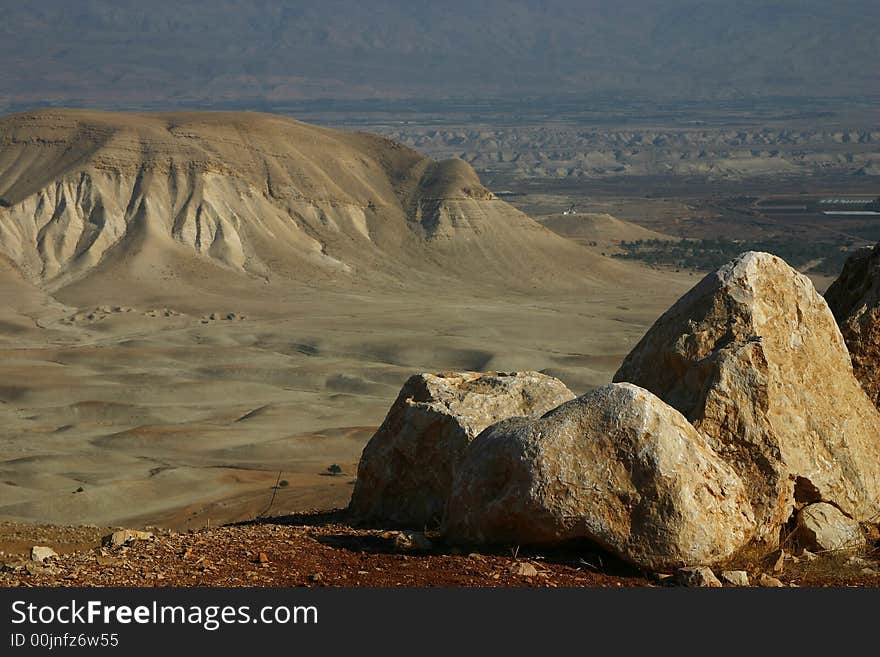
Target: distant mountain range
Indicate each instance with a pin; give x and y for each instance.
(148, 53)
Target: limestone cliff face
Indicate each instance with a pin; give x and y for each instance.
(753, 358)
(854, 298)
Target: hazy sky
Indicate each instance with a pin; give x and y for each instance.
(167, 52)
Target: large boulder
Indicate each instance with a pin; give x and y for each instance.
(753, 358)
(406, 468)
(854, 298)
(617, 467)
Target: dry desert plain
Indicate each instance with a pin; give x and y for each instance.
(193, 303)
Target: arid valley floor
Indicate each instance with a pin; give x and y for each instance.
(162, 385)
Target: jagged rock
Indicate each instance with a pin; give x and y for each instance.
(41, 553)
(769, 582)
(823, 527)
(125, 536)
(616, 466)
(412, 541)
(777, 561)
(753, 358)
(854, 298)
(735, 577)
(697, 576)
(406, 469)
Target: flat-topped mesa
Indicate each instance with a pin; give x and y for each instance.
(854, 298)
(406, 469)
(753, 358)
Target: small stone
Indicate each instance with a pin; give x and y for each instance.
(34, 568)
(40, 553)
(108, 561)
(858, 562)
(735, 577)
(699, 576)
(768, 581)
(808, 556)
(125, 536)
(263, 558)
(524, 569)
(412, 541)
(779, 561)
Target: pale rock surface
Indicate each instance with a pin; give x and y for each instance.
(735, 577)
(822, 527)
(406, 469)
(753, 358)
(524, 569)
(767, 581)
(854, 298)
(616, 466)
(41, 553)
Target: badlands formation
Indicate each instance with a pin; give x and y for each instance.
(735, 426)
(193, 302)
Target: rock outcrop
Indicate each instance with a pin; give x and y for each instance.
(854, 298)
(822, 527)
(753, 358)
(406, 470)
(617, 467)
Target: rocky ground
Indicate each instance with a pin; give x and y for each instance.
(325, 549)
